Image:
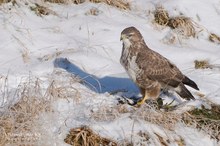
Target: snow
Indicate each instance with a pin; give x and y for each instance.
(89, 46)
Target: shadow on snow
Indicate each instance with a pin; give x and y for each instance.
(109, 84)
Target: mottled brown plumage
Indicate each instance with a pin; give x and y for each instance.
(150, 70)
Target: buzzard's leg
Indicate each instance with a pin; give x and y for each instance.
(152, 93)
(142, 101)
(144, 98)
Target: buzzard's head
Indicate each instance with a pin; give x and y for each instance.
(130, 36)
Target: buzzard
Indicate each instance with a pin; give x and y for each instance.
(151, 71)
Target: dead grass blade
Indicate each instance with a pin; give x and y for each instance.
(214, 38)
(162, 140)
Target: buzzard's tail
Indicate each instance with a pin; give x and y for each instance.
(184, 92)
(190, 83)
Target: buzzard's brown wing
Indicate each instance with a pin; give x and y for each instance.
(157, 68)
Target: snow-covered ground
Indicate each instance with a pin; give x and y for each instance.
(74, 42)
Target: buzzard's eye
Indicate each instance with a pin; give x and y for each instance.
(130, 35)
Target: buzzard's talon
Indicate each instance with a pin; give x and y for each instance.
(140, 102)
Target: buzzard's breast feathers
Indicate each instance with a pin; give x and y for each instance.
(129, 63)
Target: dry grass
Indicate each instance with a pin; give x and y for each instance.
(56, 54)
(84, 136)
(107, 113)
(163, 142)
(121, 4)
(93, 11)
(180, 142)
(184, 25)
(152, 114)
(5, 1)
(202, 64)
(64, 87)
(161, 16)
(14, 2)
(144, 134)
(147, 112)
(214, 38)
(207, 120)
(204, 119)
(65, 1)
(25, 52)
(41, 10)
(17, 120)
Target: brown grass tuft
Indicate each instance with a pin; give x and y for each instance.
(5, 1)
(214, 38)
(144, 135)
(181, 142)
(184, 25)
(41, 10)
(84, 136)
(202, 64)
(93, 11)
(8, 1)
(181, 25)
(161, 16)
